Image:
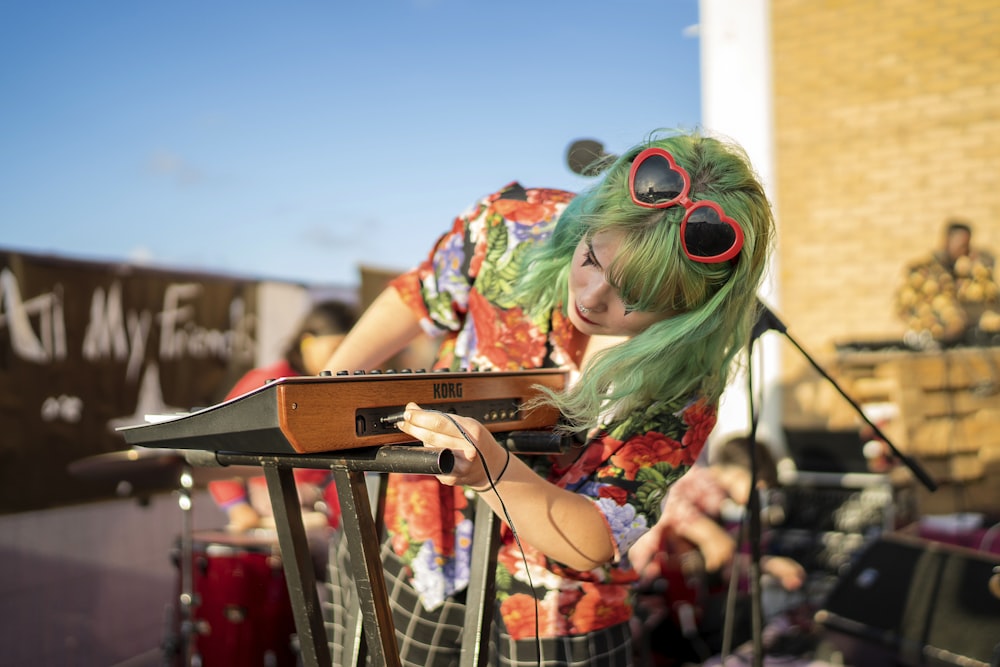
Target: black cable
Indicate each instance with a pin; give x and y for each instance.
(510, 522)
(492, 482)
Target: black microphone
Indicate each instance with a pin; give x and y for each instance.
(586, 157)
(766, 321)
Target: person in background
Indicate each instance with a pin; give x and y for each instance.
(643, 288)
(686, 559)
(246, 502)
(950, 297)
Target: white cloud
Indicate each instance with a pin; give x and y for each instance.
(140, 255)
(171, 165)
(341, 235)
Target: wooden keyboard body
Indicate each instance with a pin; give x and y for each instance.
(308, 415)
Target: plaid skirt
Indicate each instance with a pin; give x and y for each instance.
(434, 638)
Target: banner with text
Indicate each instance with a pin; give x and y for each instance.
(88, 347)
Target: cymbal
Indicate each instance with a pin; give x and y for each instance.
(141, 470)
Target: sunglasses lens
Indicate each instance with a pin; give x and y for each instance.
(706, 235)
(655, 182)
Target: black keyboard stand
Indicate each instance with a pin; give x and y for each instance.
(300, 574)
(376, 634)
(480, 598)
(377, 637)
(360, 530)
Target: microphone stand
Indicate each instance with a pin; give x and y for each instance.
(752, 529)
(768, 321)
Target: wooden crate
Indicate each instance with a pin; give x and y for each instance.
(947, 415)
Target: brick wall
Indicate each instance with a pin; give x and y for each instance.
(887, 123)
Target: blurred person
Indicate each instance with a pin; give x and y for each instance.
(686, 559)
(643, 288)
(950, 297)
(246, 502)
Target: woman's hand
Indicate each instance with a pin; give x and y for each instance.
(643, 554)
(718, 551)
(716, 545)
(438, 430)
(563, 525)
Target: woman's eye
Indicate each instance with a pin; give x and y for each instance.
(589, 259)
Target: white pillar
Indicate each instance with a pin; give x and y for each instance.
(737, 99)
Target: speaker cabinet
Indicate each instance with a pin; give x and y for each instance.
(908, 601)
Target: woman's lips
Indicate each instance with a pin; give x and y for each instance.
(582, 316)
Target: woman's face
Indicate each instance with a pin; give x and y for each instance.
(595, 307)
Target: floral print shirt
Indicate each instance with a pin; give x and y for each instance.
(463, 293)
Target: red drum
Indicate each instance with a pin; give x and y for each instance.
(241, 613)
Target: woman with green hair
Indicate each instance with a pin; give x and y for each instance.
(644, 289)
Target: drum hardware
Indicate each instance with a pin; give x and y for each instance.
(187, 601)
(242, 608)
(140, 472)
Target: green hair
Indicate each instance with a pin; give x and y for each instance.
(713, 306)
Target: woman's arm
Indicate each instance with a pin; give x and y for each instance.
(385, 328)
(563, 525)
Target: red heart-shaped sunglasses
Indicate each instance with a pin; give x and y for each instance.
(708, 235)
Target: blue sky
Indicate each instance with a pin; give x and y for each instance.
(299, 140)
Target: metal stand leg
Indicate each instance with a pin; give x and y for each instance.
(297, 560)
(479, 601)
(354, 651)
(379, 639)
